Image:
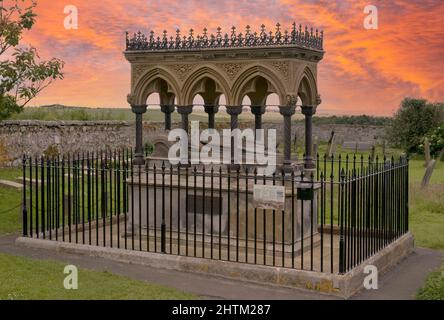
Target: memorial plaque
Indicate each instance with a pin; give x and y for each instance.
(269, 197)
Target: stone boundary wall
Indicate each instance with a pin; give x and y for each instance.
(35, 138)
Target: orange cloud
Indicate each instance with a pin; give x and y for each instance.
(364, 71)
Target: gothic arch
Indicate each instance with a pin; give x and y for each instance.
(148, 84)
(307, 88)
(193, 84)
(243, 82)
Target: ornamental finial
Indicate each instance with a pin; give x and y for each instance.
(233, 30)
(312, 38)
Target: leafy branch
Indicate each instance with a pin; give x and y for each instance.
(22, 75)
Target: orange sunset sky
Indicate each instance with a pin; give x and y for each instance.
(364, 71)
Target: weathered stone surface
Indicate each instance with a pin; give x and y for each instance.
(357, 145)
(206, 221)
(35, 137)
(335, 284)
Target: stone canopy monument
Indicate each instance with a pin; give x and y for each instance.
(236, 65)
(253, 64)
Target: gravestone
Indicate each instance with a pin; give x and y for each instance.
(384, 147)
(427, 155)
(365, 146)
(295, 142)
(428, 174)
(357, 146)
(331, 145)
(315, 148)
(373, 154)
(441, 155)
(161, 147)
(278, 145)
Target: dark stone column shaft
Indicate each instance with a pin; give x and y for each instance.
(185, 111)
(258, 111)
(234, 112)
(287, 112)
(308, 112)
(167, 110)
(211, 110)
(139, 158)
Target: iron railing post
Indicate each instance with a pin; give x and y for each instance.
(353, 215)
(163, 225)
(341, 221)
(24, 209)
(407, 193)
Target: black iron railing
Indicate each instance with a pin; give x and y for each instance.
(331, 219)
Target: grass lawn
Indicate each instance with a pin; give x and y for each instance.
(434, 287)
(24, 278)
(10, 201)
(427, 206)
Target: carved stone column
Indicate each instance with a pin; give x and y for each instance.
(308, 112)
(184, 111)
(139, 110)
(258, 111)
(234, 112)
(287, 111)
(167, 110)
(211, 110)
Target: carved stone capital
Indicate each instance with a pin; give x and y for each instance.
(287, 111)
(139, 109)
(257, 110)
(185, 109)
(167, 108)
(318, 99)
(308, 110)
(234, 110)
(211, 109)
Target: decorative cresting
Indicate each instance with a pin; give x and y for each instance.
(298, 36)
(234, 65)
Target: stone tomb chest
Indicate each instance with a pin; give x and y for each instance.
(220, 208)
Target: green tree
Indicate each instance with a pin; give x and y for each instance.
(415, 119)
(22, 74)
(436, 140)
